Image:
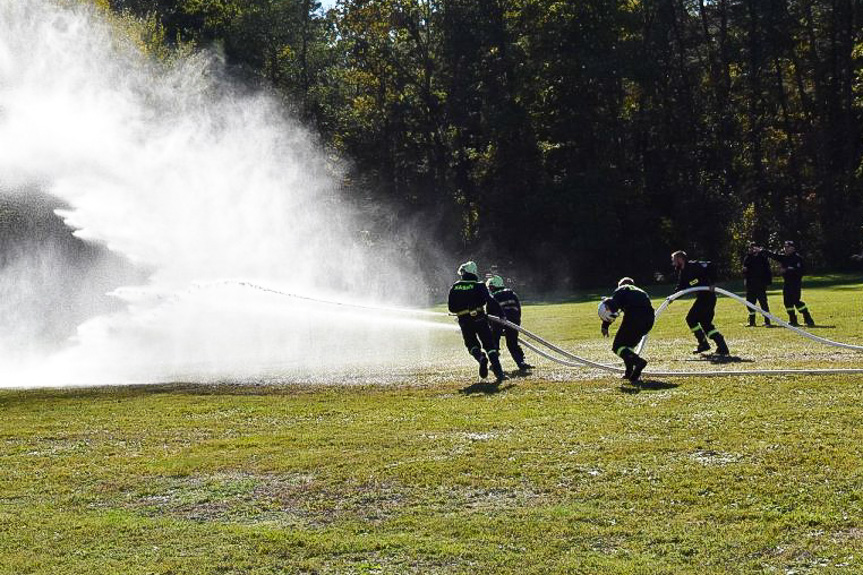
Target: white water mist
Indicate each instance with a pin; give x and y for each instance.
(190, 181)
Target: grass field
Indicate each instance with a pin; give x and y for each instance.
(564, 471)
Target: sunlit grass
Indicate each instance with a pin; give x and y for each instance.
(562, 472)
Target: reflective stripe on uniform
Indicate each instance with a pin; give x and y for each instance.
(619, 350)
(712, 333)
(468, 311)
(696, 327)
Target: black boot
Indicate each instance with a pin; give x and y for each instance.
(524, 366)
(702, 345)
(807, 318)
(767, 322)
(792, 319)
(751, 320)
(640, 364)
(631, 361)
(721, 346)
(483, 367)
(496, 368)
(626, 355)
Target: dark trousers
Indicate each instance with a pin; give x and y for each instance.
(511, 336)
(757, 295)
(791, 293)
(700, 316)
(477, 336)
(633, 327)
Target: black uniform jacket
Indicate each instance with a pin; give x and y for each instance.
(757, 270)
(510, 303)
(793, 265)
(696, 274)
(469, 297)
(630, 300)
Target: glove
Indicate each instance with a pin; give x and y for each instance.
(605, 330)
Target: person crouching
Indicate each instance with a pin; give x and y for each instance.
(638, 316)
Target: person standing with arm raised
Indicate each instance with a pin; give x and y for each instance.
(791, 268)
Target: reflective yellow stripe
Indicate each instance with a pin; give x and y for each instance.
(696, 328)
(469, 311)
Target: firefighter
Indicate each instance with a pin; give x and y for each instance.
(637, 321)
(791, 268)
(468, 299)
(694, 273)
(757, 275)
(511, 306)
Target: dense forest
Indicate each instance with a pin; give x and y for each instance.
(569, 141)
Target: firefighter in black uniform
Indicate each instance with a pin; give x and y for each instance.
(757, 274)
(700, 317)
(638, 318)
(791, 268)
(511, 306)
(468, 299)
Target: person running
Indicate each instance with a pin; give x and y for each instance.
(692, 273)
(757, 276)
(468, 300)
(791, 268)
(638, 317)
(511, 306)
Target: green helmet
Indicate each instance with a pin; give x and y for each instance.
(495, 282)
(468, 268)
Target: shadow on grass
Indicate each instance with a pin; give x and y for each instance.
(721, 359)
(485, 388)
(646, 385)
(656, 384)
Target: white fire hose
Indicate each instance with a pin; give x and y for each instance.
(566, 358)
(572, 360)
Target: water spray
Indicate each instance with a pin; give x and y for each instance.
(570, 359)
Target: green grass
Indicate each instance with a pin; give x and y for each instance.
(565, 471)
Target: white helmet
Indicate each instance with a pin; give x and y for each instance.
(605, 314)
(468, 267)
(495, 282)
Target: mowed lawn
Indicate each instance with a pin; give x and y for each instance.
(565, 471)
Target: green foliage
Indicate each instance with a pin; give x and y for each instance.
(573, 139)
